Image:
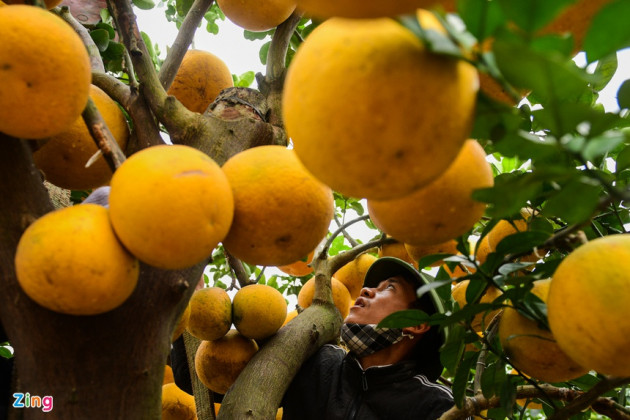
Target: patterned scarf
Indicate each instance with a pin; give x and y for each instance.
(365, 339)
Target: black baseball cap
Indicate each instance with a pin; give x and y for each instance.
(428, 356)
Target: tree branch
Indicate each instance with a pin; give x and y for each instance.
(182, 41)
(340, 230)
(237, 267)
(345, 233)
(167, 109)
(343, 258)
(96, 62)
(146, 132)
(103, 138)
(588, 398)
(203, 396)
(271, 84)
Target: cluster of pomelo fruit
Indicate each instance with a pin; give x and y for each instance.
(169, 207)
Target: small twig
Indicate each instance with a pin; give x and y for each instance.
(102, 136)
(237, 267)
(182, 41)
(133, 82)
(340, 230)
(343, 258)
(491, 331)
(349, 238)
(96, 62)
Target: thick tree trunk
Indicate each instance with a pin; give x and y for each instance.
(108, 366)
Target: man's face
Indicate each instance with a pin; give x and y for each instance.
(391, 295)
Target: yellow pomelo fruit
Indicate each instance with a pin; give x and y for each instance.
(290, 316)
(352, 274)
(218, 363)
(397, 250)
(532, 349)
(168, 375)
(170, 205)
(483, 250)
(258, 311)
(42, 89)
(588, 305)
(63, 157)
(177, 404)
(341, 296)
(417, 252)
(71, 262)
(409, 115)
(482, 319)
(281, 212)
(505, 228)
(210, 313)
(199, 80)
(442, 210)
(299, 268)
(257, 16)
(49, 3)
(182, 323)
(368, 8)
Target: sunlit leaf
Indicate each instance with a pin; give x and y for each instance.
(576, 201)
(609, 30)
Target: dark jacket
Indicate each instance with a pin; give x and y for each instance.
(333, 385)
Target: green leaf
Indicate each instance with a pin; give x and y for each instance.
(262, 53)
(109, 28)
(510, 193)
(602, 145)
(452, 351)
(5, 352)
(435, 41)
(212, 27)
(245, 79)
(521, 242)
(475, 290)
(481, 17)
(100, 38)
(605, 69)
(508, 393)
(609, 31)
(255, 36)
(492, 378)
(623, 95)
(338, 245)
(524, 145)
(144, 4)
(460, 383)
(183, 6)
(532, 15)
(406, 318)
(623, 159)
(576, 200)
(551, 78)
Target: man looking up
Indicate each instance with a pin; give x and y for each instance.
(387, 373)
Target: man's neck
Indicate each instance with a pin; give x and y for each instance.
(390, 355)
